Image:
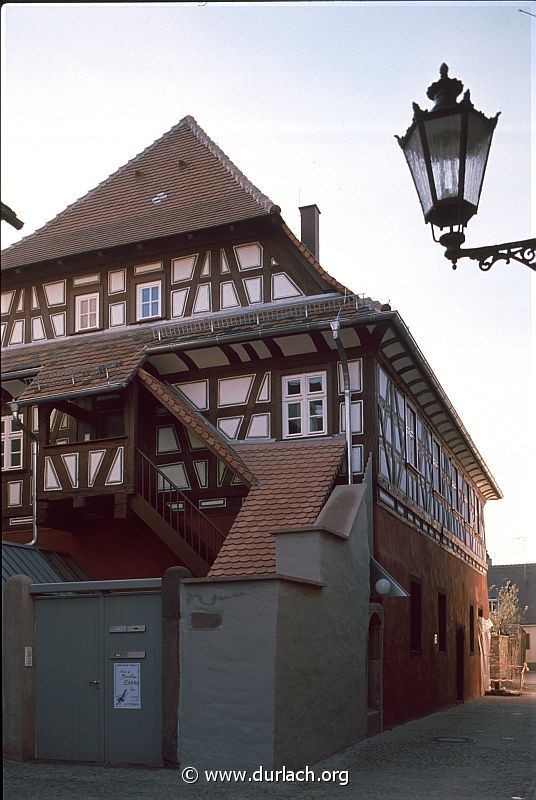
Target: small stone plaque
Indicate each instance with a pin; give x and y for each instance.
(205, 620)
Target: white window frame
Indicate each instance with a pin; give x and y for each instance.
(79, 312)
(303, 398)
(8, 437)
(139, 303)
(411, 437)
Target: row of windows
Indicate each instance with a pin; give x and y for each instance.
(148, 306)
(414, 461)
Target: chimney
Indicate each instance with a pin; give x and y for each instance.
(309, 228)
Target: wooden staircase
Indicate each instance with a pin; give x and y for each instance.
(172, 516)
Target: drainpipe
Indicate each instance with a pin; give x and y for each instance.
(35, 452)
(335, 328)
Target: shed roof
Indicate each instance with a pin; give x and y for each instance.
(288, 494)
(42, 566)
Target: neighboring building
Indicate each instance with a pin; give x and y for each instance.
(524, 577)
(191, 370)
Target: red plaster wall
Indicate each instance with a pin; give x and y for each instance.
(419, 684)
(113, 550)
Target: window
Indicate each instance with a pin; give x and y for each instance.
(87, 312)
(471, 629)
(442, 621)
(493, 605)
(148, 300)
(416, 615)
(304, 405)
(11, 444)
(411, 442)
(436, 456)
(454, 489)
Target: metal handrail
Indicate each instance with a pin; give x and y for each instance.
(175, 508)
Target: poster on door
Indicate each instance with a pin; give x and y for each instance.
(127, 685)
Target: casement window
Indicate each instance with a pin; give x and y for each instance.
(411, 441)
(304, 405)
(148, 300)
(415, 616)
(454, 487)
(436, 466)
(11, 444)
(86, 312)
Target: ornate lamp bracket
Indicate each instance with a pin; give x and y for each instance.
(524, 252)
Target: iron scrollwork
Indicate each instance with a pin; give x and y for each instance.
(524, 252)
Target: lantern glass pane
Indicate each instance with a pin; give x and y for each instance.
(443, 136)
(417, 164)
(479, 133)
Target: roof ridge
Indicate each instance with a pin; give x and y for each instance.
(189, 121)
(244, 182)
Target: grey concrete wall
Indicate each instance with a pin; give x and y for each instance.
(321, 671)
(274, 671)
(18, 680)
(171, 609)
(226, 701)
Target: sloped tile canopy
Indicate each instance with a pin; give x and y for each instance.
(286, 495)
(185, 412)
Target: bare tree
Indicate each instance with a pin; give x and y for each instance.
(508, 613)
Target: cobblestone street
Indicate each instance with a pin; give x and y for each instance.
(480, 750)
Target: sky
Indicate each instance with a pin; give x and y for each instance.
(306, 99)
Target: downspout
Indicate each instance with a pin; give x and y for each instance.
(35, 453)
(335, 328)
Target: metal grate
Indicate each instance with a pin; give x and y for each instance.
(282, 313)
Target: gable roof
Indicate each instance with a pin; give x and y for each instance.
(524, 577)
(202, 188)
(184, 411)
(287, 495)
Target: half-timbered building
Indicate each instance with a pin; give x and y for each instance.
(195, 381)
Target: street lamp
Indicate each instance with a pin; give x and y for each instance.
(447, 151)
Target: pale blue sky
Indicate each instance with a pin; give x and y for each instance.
(306, 99)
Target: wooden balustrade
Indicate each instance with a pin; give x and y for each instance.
(97, 466)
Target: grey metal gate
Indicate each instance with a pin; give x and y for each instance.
(98, 669)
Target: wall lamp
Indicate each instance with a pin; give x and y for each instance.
(447, 152)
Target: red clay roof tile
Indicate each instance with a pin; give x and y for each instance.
(285, 496)
(202, 189)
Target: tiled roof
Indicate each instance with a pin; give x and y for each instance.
(183, 410)
(295, 479)
(202, 189)
(77, 364)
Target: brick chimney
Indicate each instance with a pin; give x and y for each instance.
(309, 228)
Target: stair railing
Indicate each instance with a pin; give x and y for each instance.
(176, 508)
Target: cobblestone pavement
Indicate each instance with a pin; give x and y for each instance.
(490, 756)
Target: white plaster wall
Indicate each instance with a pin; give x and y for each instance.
(227, 680)
(321, 684)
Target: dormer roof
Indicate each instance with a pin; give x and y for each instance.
(180, 183)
